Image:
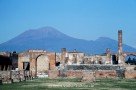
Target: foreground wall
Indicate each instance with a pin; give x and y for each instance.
(130, 72)
(96, 74)
(101, 71)
(14, 76)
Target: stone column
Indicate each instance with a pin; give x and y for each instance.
(63, 56)
(108, 61)
(63, 53)
(120, 51)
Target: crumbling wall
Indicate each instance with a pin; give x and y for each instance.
(5, 76)
(92, 67)
(74, 73)
(53, 74)
(105, 74)
(99, 71)
(88, 76)
(130, 72)
(52, 60)
(14, 76)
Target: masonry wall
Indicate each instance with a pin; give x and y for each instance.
(130, 72)
(53, 73)
(74, 73)
(5, 76)
(52, 60)
(105, 74)
(14, 76)
(99, 71)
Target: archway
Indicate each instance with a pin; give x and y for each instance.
(42, 64)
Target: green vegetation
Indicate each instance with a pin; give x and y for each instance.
(72, 84)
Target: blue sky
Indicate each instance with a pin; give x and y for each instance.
(84, 19)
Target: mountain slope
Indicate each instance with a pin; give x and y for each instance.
(48, 38)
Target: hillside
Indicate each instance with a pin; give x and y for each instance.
(51, 39)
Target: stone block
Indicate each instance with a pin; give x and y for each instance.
(53, 74)
(130, 74)
(74, 73)
(88, 76)
(105, 74)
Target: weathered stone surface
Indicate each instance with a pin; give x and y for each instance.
(5, 76)
(120, 73)
(105, 74)
(130, 67)
(131, 74)
(14, 76)
(74, 73)
(52, 57)
(100, 71)
(88, 76)
(53, 74)
(92, 67)
(40, 61)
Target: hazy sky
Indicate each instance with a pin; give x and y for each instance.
(84, 19)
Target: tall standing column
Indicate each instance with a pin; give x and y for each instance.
(120, 51)
(120, 41)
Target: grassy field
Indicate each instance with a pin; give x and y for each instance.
(72, 84)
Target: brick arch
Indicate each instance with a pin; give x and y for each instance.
(39, 56)
(42, 62)
(33, 61)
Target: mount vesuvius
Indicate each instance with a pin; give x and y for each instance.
(50, 39)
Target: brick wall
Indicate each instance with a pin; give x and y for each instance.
(105, 74)
(74, 73)
(88, 76)
(32, 67)
(52, 61)
(130, 74)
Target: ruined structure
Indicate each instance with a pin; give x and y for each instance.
(37, 62)
(8, 61)
(33, 63)
(120, 50)
(73, 57)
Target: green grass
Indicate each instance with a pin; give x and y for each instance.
(72, 84)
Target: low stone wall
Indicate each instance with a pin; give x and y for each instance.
(90, 72)
(105, 74)
(14, 76)
(74, 73)
(130, 71)
(88, 76)
(100, 71)
(131, 74)
(92, 67)
(5, 76)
